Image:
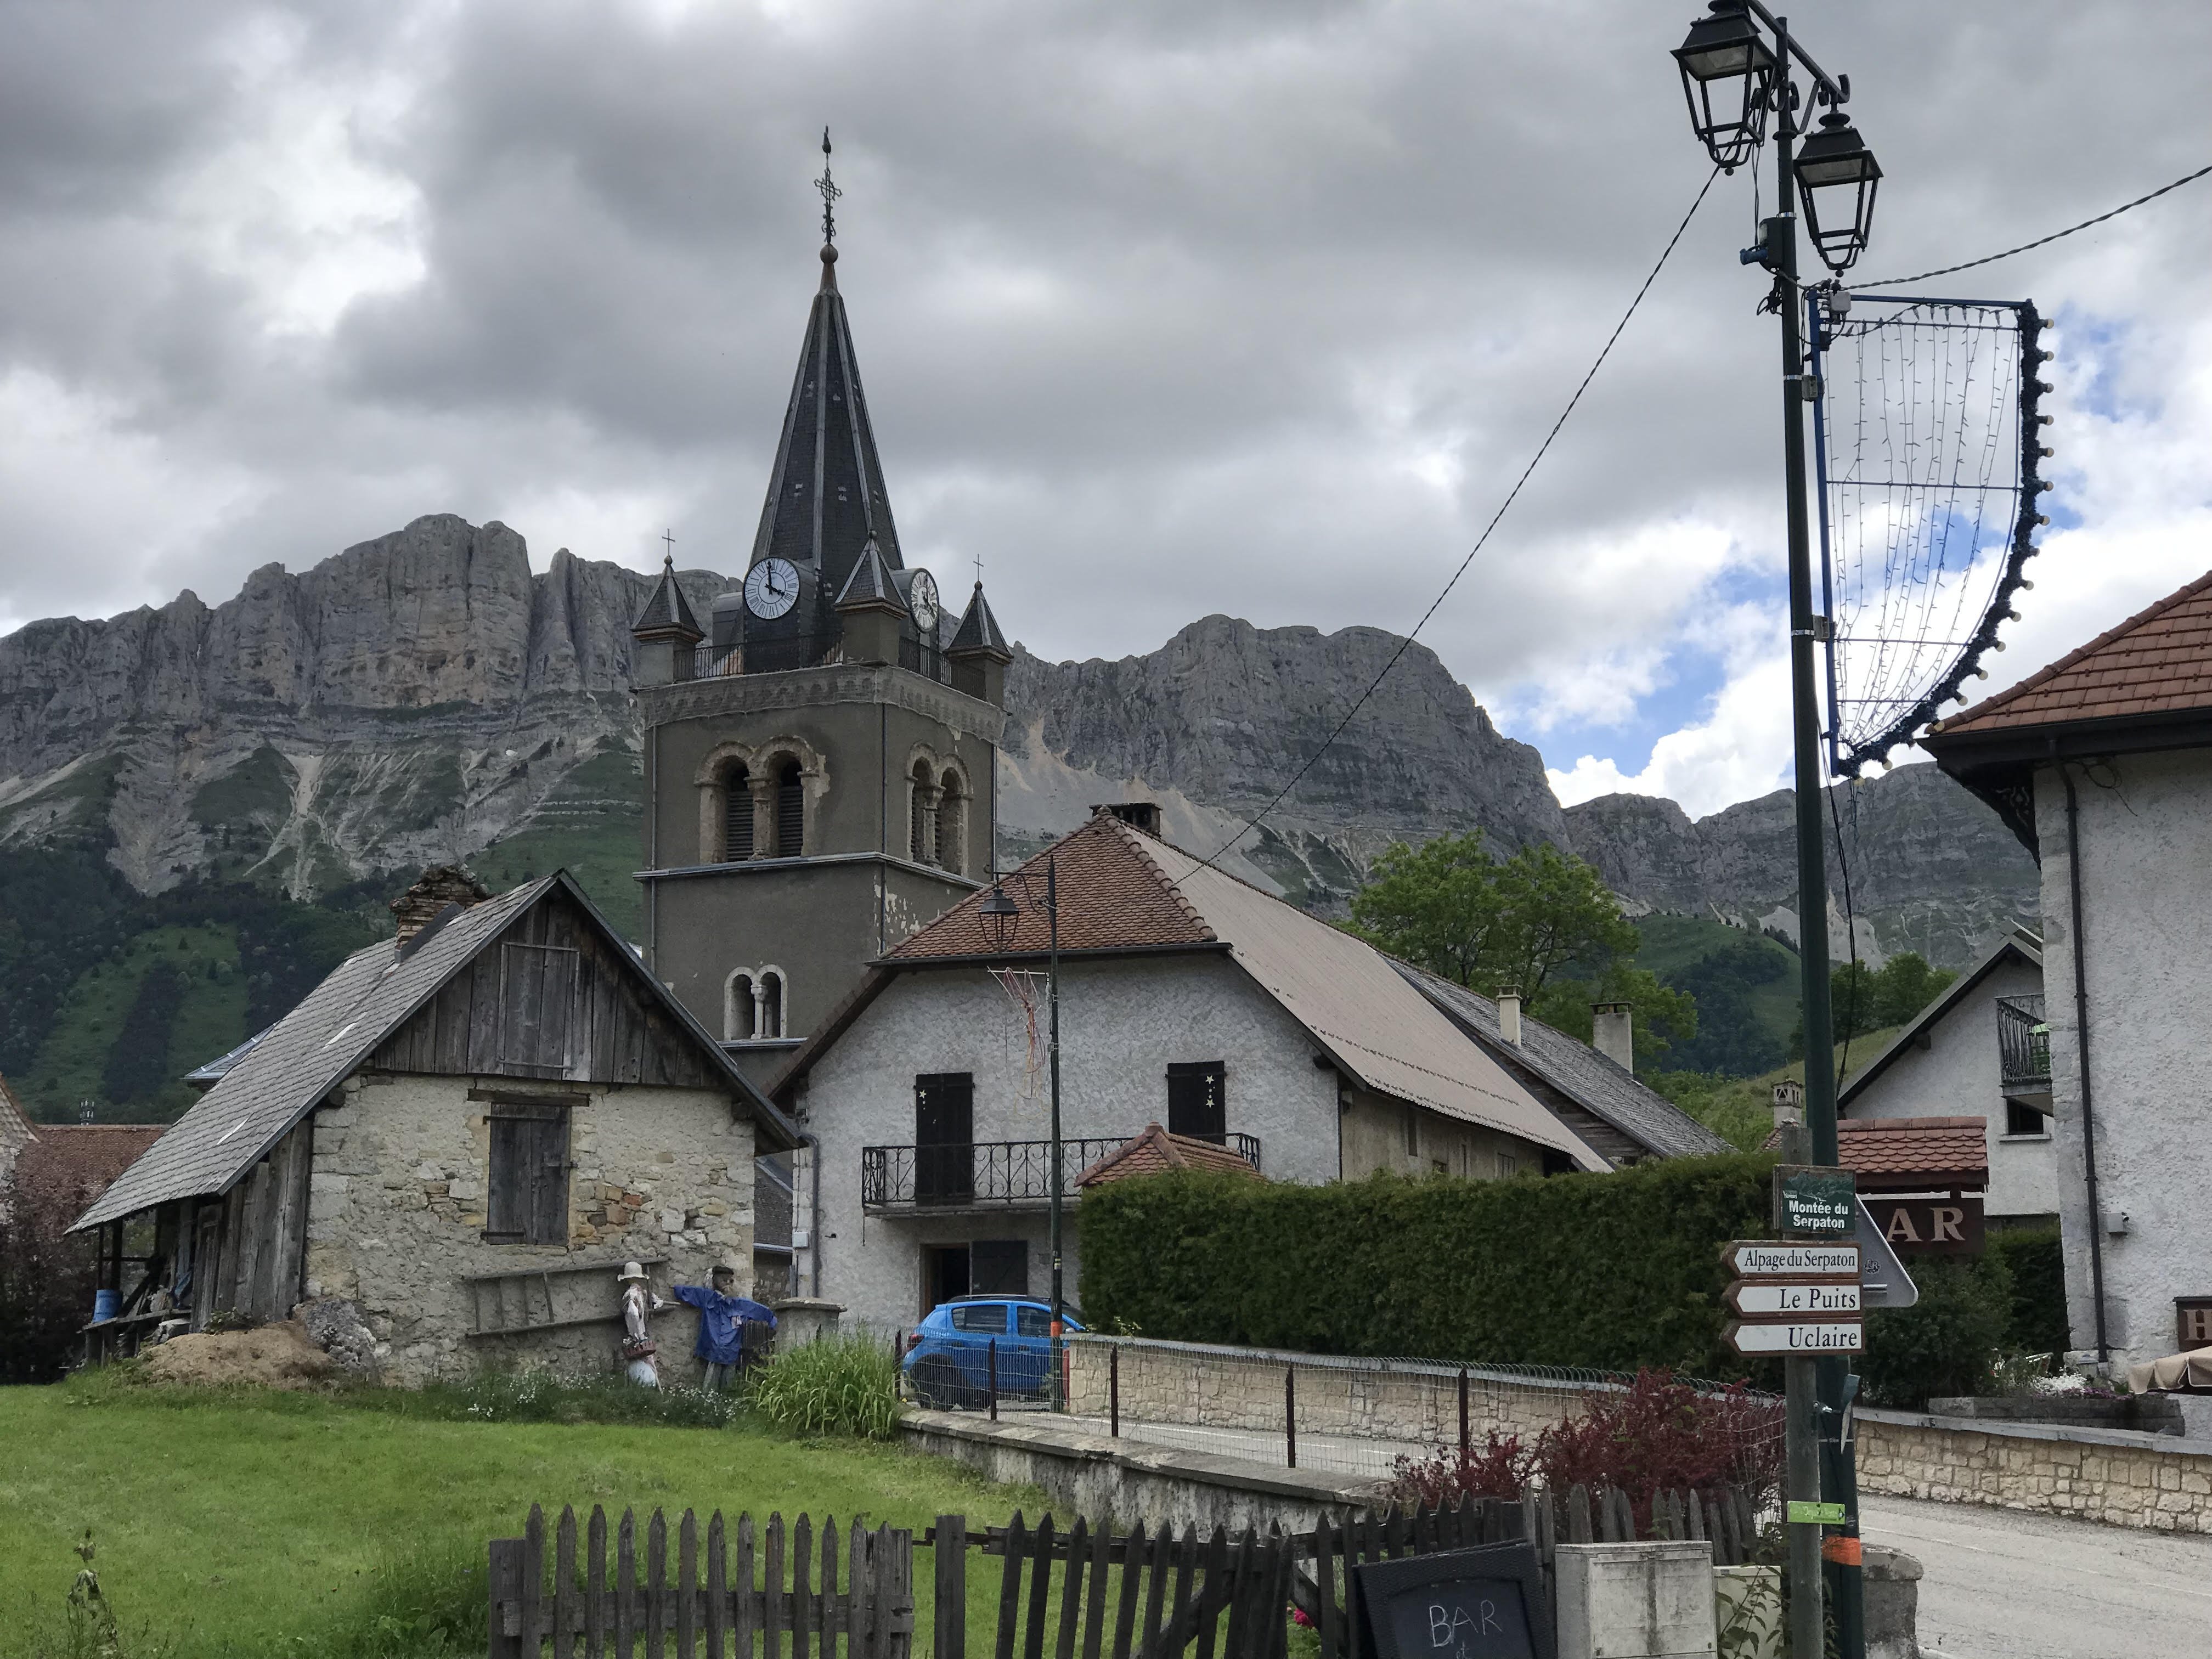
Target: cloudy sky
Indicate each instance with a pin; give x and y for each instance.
(1164, 307)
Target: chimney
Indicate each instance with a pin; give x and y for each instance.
(1509, 1016)
(440, 885)
(1789, 1103)
(1613, 1035)
(1142, 815)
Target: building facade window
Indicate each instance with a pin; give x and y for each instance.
(1198, 1100)
(922, 814)
(790, 811)
(952, 825)
(526, 1191)
(2021, 1120)
(737, 813)
(740, 1008)
(771, 1024)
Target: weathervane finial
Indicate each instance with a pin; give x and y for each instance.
(830, 195)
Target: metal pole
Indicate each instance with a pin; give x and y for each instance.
(1290, 1415)
(1052, 989)
(1114, 1391)
(1802, 1443)
(991, 1379)
(1466, 1438)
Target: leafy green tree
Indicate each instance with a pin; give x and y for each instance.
(1864, 998)
(1663, 1015)
(1730, 1039)
(1451, 907)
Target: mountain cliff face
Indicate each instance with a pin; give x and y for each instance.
(425, 696)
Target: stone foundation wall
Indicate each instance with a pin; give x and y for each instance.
(396, 1217)
(1209, 1387)
(2120, 1477)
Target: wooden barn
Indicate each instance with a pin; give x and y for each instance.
(466, 1131)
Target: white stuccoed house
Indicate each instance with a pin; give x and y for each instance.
(1188, 999)
(2101, 763)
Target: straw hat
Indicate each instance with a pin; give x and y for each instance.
(632, 1272)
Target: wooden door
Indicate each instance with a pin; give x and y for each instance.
(943, 1138)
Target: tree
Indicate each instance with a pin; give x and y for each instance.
(1451, 907)
(1864, 998)
(1663, 1015)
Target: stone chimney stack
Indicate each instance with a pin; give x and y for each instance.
(440, 885)
(1613, 1035)
(1142, 815)
(1789, 1103)
(1509, 1016)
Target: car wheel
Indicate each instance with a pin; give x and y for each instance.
(937, 1384)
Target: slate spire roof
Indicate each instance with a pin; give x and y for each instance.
(871, 582)
(666, 611)
(825, 492)
(979, 629)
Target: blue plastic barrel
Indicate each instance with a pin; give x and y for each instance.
(105, 1303)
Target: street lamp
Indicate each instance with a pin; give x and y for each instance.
(1838, 176)
(1727, 74)
(1000, 918)
(1738, 63)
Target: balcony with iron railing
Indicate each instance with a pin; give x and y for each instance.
(994, 1175)
(776, 656)
(2023, 1048)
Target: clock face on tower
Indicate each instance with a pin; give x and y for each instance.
(772, 588)
(921, 599)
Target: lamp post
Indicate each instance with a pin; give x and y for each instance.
(1002, 920)
(1740, 64)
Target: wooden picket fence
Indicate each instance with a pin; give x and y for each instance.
(775, 1592)
(710, 1612)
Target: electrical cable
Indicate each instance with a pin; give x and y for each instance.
(1406, 644)
(2041, 241)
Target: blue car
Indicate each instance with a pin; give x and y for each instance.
(948, 1356)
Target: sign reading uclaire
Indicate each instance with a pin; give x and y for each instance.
(1486, 1603)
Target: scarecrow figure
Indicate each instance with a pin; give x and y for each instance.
(723, 1315)
(639, 1304)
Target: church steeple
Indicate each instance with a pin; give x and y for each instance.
(825, 492)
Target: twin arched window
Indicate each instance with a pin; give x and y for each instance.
(754, 805)
(936, 817)
(754, 1005)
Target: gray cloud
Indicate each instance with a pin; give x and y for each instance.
(1163, 309)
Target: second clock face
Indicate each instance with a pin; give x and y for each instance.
(772, 588)
(921, 599)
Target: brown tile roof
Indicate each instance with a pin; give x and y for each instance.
(70, 1164)
(1887, 1152)
(1156, 1151)
(2158, 661)
(1113, 896)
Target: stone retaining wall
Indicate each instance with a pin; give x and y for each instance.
(2122, 1477)
(1206, 1386)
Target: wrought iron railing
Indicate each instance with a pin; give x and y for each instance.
(716, 662)
(923, 657)
(961, 1174)
(2023, 1044)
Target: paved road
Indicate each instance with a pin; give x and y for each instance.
(2001, 1584)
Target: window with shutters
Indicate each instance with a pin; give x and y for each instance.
(921, 832)
(943, 1138)
(790, 812)
(736, 814)
(1198, 1100)
(528, 1189)
(537, 995)
(952, 825)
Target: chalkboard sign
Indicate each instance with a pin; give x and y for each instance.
(1486, 1603)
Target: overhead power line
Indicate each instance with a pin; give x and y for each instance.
(1405, 644)
(2040, 241)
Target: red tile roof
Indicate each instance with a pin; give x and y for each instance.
(2158, 661)
(1156, 1151)
(1112, 896)
(1890, 1151)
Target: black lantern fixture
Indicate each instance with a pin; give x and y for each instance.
(1728, 74)
(1838, 174)
(1000, 914)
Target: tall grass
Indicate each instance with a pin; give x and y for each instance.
(838, 1385)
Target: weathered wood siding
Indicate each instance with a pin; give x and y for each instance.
(260, 1262)
(548, 1000)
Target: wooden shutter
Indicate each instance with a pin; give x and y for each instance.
(1198, 1100)
(790, 815)
(737, 815)
(528, 1189)
(538, 994)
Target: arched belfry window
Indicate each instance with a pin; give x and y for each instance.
(951, 824)
(737, 813)
(771, 1003)
(740, 1008)
(790, 811)
(922, 807)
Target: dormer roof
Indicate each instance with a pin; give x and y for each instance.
(979, 631)
(870, 583)
(667, 613)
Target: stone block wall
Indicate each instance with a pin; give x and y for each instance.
(1209, 1387)
(2120, 1477)
(396, 1217)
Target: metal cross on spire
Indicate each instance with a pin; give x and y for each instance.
(829, 194)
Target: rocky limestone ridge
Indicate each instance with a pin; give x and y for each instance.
(422, 696)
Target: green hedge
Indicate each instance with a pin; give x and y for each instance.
(1616, 1271)
(2037, 1264)
(1945, 1343)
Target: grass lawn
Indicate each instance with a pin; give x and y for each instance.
(243, 1522)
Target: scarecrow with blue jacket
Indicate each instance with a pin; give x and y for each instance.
(723, 1316)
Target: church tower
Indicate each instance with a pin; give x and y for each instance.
(820, 758)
